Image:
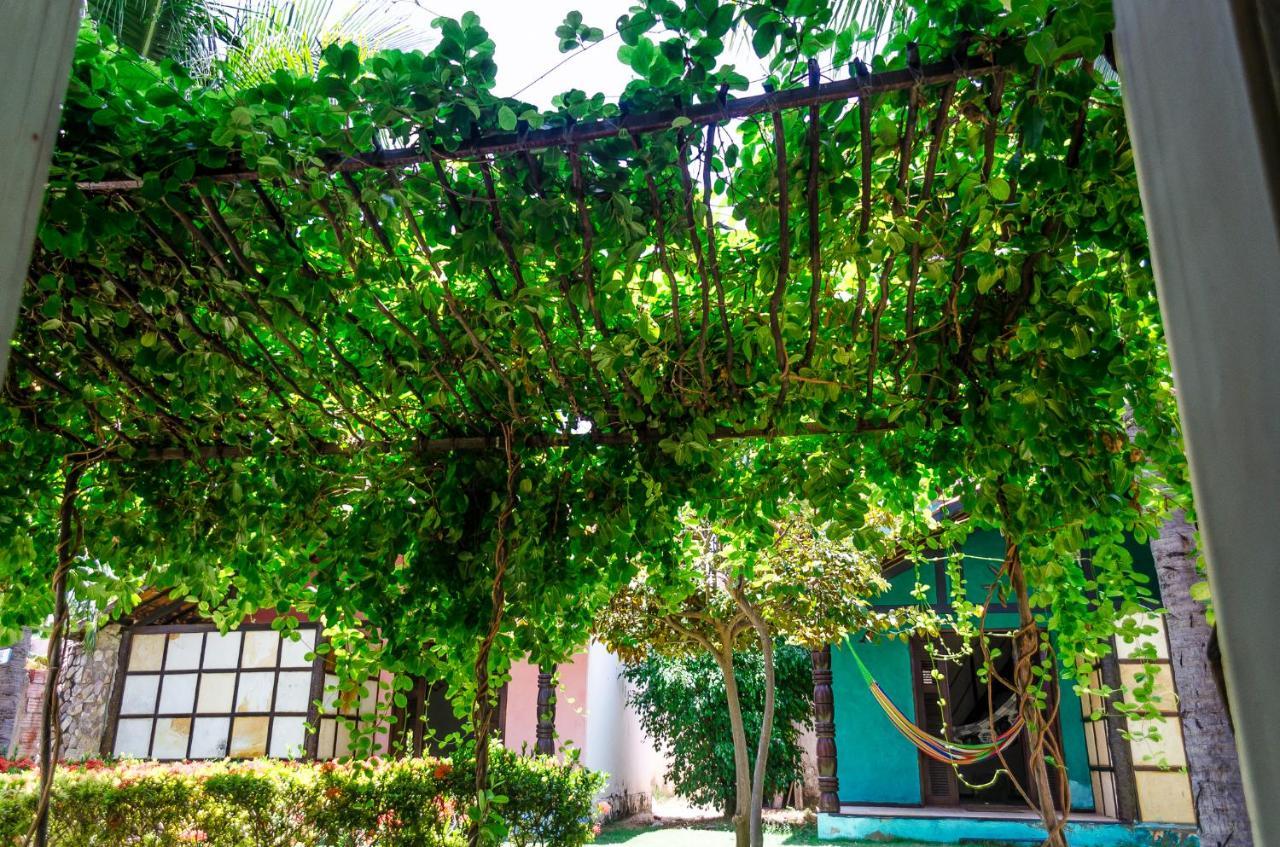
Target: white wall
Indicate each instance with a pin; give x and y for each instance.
(615, 743)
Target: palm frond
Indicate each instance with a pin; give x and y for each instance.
(884, 18)
(248, 40)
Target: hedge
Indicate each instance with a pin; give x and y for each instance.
(270, 803)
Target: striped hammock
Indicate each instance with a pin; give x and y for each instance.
(940, 749)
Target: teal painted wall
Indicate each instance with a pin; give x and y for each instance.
(874, 763)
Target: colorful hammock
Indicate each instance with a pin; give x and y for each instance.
(940, 749)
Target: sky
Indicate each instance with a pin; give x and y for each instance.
(527, 47)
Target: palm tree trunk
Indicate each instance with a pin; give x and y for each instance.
(1207, 733)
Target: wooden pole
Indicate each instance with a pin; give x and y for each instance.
(824, 727)
(546, 731)
(1213, 216)
(947, 70)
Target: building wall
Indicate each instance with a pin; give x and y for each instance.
(571, 701)
(875, 764)
(592, 715)
(13, 683)
(614, 742)
(26, 741)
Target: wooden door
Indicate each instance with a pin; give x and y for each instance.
(938, 784)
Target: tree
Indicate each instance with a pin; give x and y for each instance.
(805, 583)
(681, 705)
(1207, 732)
(252, 38)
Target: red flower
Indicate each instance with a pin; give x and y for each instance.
(442, 770)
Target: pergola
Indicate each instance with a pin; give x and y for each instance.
(375, 263)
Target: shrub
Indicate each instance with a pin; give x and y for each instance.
(265, 803)
(681, 705)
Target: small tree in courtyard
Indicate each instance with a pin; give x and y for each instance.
(804, 584)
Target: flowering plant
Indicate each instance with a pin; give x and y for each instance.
(269, 803)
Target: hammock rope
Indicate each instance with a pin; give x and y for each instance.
(940, 749)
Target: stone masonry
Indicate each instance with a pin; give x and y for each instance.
(88, 677)
(13, 683)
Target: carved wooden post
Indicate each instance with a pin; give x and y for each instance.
(824, 726)
(546, 732)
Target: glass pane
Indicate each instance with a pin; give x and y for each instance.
(293, 654)
(255, 692)
(184, 651)
(178, 694)
(1127, 649)
(324, 749)
(133, 737)
(369, 703)
(209, 738)
(216, 691)
(1166, 751)
(1162, 682)
(249, 736)
(287, 737)
(171, 738)
(146, 653)
(139, 697)
(222, 651)
(342, 740)
(260, 648)
(329, 703)
(1165, 796)
(293, 692)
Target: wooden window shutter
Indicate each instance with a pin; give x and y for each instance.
(937, 779)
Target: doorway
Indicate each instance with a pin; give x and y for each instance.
(953, 700)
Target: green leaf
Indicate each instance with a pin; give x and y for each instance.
(1041, 49)
(999, 189)
(506, 118)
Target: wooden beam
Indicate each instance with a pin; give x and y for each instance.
(468, 443)
(36, 43)
(1208, 157)
(937, 73)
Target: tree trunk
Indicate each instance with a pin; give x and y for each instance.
(1028, 646)
(483, 712)
(766, 732)
(1207, 733)
(741, 765)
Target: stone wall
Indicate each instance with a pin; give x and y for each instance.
(13, 683)
(88, 677)
(85, 688)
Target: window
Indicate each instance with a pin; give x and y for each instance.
(345, 715)
(191, 692)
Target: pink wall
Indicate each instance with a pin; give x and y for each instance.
(571, 705)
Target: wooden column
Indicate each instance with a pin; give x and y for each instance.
(824, 726)
(546, 732)
(37, 41)
(1206, 141)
